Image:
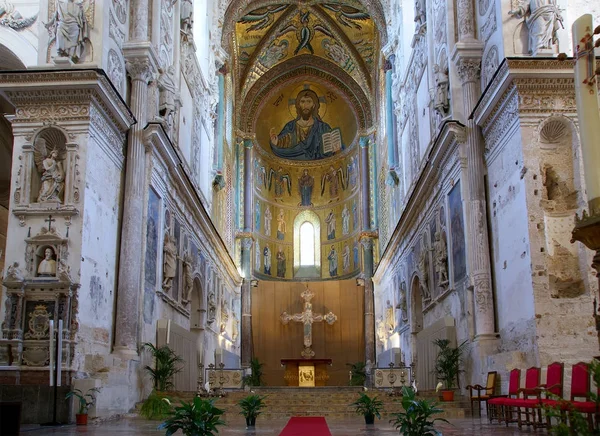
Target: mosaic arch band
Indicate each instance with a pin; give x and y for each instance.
(307, 137)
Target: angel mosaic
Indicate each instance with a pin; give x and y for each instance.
(282, 182)
(49, 164)
(335, 178)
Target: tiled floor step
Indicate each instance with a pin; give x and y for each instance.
(326, 401)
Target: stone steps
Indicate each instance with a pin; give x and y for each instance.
(328, 401)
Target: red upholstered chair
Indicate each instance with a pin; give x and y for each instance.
(580, 388)
(528, 398)
(496, 409)
(552, 390)
(484, 393)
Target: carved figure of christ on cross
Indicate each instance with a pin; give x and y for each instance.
(307, 317)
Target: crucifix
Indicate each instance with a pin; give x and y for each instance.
(49, 221)
(307, 317)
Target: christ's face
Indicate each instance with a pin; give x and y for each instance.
(306, 106)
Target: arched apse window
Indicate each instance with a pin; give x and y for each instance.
(307, 245)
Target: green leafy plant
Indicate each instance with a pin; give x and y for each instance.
(255, 377)
(369, 407)
(578, 423)
(448, 362)
(86, 400)
(416, 420)
(358, 373)
(166, 364)
(155, 407)
(199, 417)
(251, 407)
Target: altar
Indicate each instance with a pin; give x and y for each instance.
(306, 372)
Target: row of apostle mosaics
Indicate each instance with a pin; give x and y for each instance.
(339, 259)
(347, 219)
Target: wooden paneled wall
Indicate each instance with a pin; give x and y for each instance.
(343, 342)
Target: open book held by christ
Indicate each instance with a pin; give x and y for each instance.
(332, 141)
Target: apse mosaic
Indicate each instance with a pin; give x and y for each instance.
(305, 121)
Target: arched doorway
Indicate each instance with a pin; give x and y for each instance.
(198, 317)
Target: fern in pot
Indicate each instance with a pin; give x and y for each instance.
(199, 417)
(251, 407)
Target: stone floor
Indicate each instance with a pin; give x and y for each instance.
(347, 427)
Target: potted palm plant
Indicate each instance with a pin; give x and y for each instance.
(448, 366)
(166, 364)
(251, 406)
(86, 401)
(255, 376)
(369, 407)
(199, 417)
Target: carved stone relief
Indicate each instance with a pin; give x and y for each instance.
(116, 70)
(10, 17)
(49, 152)
(490, 65)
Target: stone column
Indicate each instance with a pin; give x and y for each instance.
(130, 261)
(246, 341)
(468, 64)
(466, 20)
(365, 185)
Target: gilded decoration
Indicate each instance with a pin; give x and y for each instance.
(305, 121)
(269, 35)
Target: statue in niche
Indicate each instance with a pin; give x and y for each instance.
(169, 262)
(330, 220)
(423, 266)
(389, 317)
(346, 258)
(224, 315)
(70, 28)
(304, 137)
(420, 12)
(188, 279)
(281, 267)
(345, 220)
(542, 18)
(47, 267)
(402, 304)
(235, 328)
(442, 101)
(441, 259)
(168, 96)
(212, 307)
(281, 225)
(50, 166)
(267, 260)
(333, 262)
(335, 178)
(186, 19)
(305, 185)
(268, 219)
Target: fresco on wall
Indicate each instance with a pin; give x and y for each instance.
(152, 223)
(305, 122)
(459, 259)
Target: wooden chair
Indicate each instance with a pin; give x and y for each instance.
(496, 405)
(484, 393)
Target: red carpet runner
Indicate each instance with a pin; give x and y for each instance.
(306, 426)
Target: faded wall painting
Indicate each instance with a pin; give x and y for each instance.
(305, 122)
(152, 224)
(459, 259)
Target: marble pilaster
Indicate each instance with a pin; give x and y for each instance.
(141, 68)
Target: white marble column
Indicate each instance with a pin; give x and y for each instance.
(141, 71)
(468, 67)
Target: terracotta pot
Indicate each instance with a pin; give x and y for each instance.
(447, 395)
(81, 419)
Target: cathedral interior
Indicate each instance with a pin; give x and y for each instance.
(340, 181)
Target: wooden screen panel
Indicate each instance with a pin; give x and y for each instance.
(183, 342)
(343, 342)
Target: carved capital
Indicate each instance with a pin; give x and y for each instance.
(468, 69)
(140, 69)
